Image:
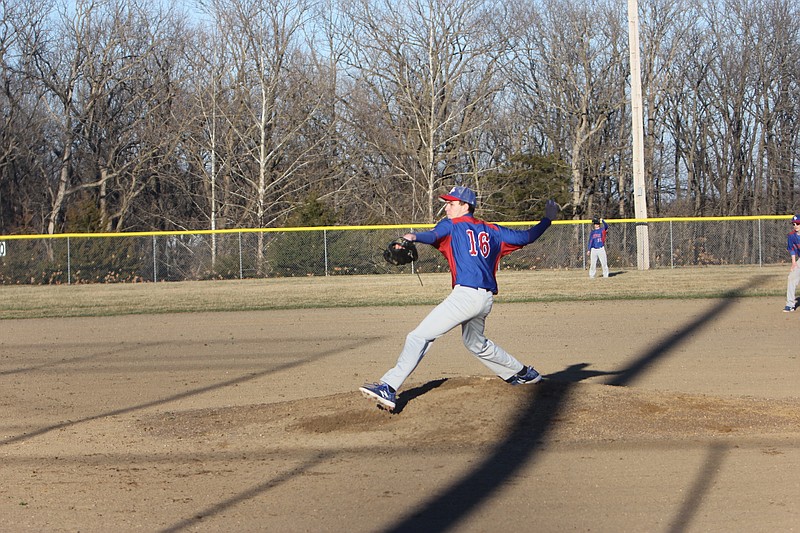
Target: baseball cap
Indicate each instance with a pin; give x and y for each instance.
(795, 218)
(460, 193)
(595, 221)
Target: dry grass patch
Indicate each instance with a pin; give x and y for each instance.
(380, 290)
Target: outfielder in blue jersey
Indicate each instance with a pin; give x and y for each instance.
(793, 246)
(597, 247)
(473, 249)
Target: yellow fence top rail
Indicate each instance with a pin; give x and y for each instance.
(403, 227)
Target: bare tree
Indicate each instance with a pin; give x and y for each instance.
(17, 19)
(54, 59)
(273, 101)
(777, 75)
(731, 107)
(688, 115)
(425, 76)
(570, 68)
(130, 123)
(92, 66)
(663, 36)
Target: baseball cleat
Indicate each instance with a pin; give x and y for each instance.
(380, 392)
(788, 309)
(530, 376)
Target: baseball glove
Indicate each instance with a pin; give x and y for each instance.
(400, 252)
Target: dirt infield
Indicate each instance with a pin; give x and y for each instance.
(662, 416)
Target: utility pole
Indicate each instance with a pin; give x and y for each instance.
(637, 131)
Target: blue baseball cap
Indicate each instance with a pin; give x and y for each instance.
(460, 194)
(795, 218)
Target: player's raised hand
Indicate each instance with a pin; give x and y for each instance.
(551, 209)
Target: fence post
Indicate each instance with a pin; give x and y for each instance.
(241, 269)
(671, 248)
(325, 249)
(155, 264)
(583, 248)
(69, 264)
(413, 263)
(759, 242)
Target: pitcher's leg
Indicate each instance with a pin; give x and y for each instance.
(454, 310)
(493, 356)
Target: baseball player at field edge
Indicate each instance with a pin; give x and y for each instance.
(597, 247)
(473, 249)
(793, 245)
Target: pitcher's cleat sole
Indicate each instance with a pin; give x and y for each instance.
(382, 402)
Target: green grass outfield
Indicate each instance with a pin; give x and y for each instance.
(24, 301)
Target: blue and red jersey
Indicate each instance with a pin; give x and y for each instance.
(597, 238)
(473, 248)
(793, 244)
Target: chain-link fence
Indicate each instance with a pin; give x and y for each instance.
(110, 258)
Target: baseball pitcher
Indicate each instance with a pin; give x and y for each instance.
(473, 249)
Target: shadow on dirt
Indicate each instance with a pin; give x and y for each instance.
(181, 395)
(536, 419)
(406, 396)
(703, 482)
(192, 522)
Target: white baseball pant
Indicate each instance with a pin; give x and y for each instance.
(598, 253)
(468, 307)
(791, 286)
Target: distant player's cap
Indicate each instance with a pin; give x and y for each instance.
(460, 194)
(795, 218)
(596, 221)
